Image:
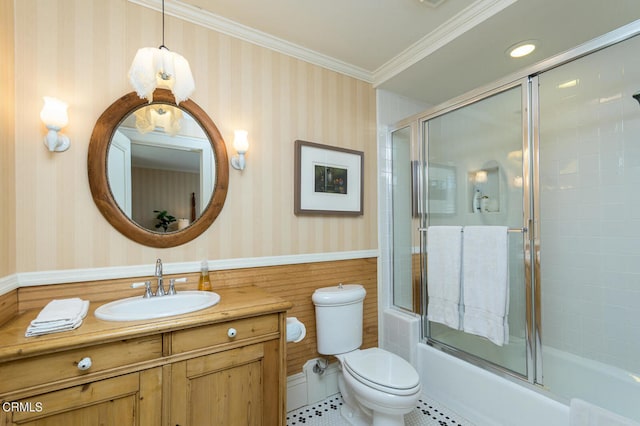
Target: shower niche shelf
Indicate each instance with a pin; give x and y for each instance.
(484, 190)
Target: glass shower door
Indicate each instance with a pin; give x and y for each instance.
(476, 176)
(589, 174)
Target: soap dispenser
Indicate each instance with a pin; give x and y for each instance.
(205, 282)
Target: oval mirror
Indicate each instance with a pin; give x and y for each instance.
(158, 172)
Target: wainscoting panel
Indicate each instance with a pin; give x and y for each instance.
(295, 283)
(8, 306)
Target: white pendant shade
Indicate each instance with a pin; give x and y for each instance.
(159, 67)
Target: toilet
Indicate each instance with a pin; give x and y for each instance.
(378, 387)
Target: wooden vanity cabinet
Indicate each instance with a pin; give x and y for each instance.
(226, 371)
(242, 384)
(50, 389)
(132, 399)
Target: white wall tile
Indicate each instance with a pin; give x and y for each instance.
(590, 208)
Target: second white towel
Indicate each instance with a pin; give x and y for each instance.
(485, 277)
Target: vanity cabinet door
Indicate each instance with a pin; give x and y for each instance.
(132, 399)
(235, 387)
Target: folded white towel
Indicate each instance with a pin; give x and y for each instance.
(59, 315)
(582, 413)
(444, 256)
(485, 278)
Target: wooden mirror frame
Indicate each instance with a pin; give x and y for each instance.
(98, 181)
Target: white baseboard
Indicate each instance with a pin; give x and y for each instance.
(307, 388)
(296, 391)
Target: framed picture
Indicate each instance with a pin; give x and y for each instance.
(327, 180)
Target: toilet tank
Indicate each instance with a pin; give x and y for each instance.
(339, 318)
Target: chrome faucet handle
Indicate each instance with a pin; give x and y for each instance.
(147, 288)
(172, 284)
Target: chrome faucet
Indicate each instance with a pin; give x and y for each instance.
(160, 291)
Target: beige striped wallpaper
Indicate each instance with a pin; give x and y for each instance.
(7, 142)
(80, 51)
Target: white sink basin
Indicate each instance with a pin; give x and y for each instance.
(139, 308)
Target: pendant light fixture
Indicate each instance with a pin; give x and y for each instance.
(159, 67)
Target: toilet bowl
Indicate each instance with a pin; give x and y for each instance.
(377, 386)
(380, 387)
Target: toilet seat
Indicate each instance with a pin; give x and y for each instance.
(382, 370)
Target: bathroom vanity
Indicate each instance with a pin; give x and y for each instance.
(223, 365)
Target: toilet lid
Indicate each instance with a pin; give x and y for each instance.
(384, 369)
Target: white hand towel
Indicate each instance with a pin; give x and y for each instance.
(485, 282)
(444, 255)
(582, 413)
(39, 331)
(60, 310)
(59, 315)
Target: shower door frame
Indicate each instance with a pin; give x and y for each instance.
(528, 79)
(531, 347)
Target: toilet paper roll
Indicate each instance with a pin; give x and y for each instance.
(295, 330)
(183, 223)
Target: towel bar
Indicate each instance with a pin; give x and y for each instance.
(518, 230)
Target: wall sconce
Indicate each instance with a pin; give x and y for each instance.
(481, 176)
(54, 116)
(241, 145)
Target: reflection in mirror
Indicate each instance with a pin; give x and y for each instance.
(159, 160)
(155, 161)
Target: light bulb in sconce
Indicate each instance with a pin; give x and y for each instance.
(481, 176)
(54, 116)
(241, 145)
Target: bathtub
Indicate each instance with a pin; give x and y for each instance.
(609, 387)
(482, 397)
(485, 398)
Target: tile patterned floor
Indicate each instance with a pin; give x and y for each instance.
(327, 413)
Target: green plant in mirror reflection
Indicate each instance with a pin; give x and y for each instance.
(164, 219)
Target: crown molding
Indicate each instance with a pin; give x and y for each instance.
(226, 26)
(468, 18)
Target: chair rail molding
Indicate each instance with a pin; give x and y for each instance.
(64, 276)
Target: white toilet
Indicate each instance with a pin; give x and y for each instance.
(378, 387)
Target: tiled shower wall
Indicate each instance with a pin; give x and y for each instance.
(590, 206)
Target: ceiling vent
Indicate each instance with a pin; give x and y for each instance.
(432, 3)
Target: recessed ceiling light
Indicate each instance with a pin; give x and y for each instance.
(522, 49)
(432, 3)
